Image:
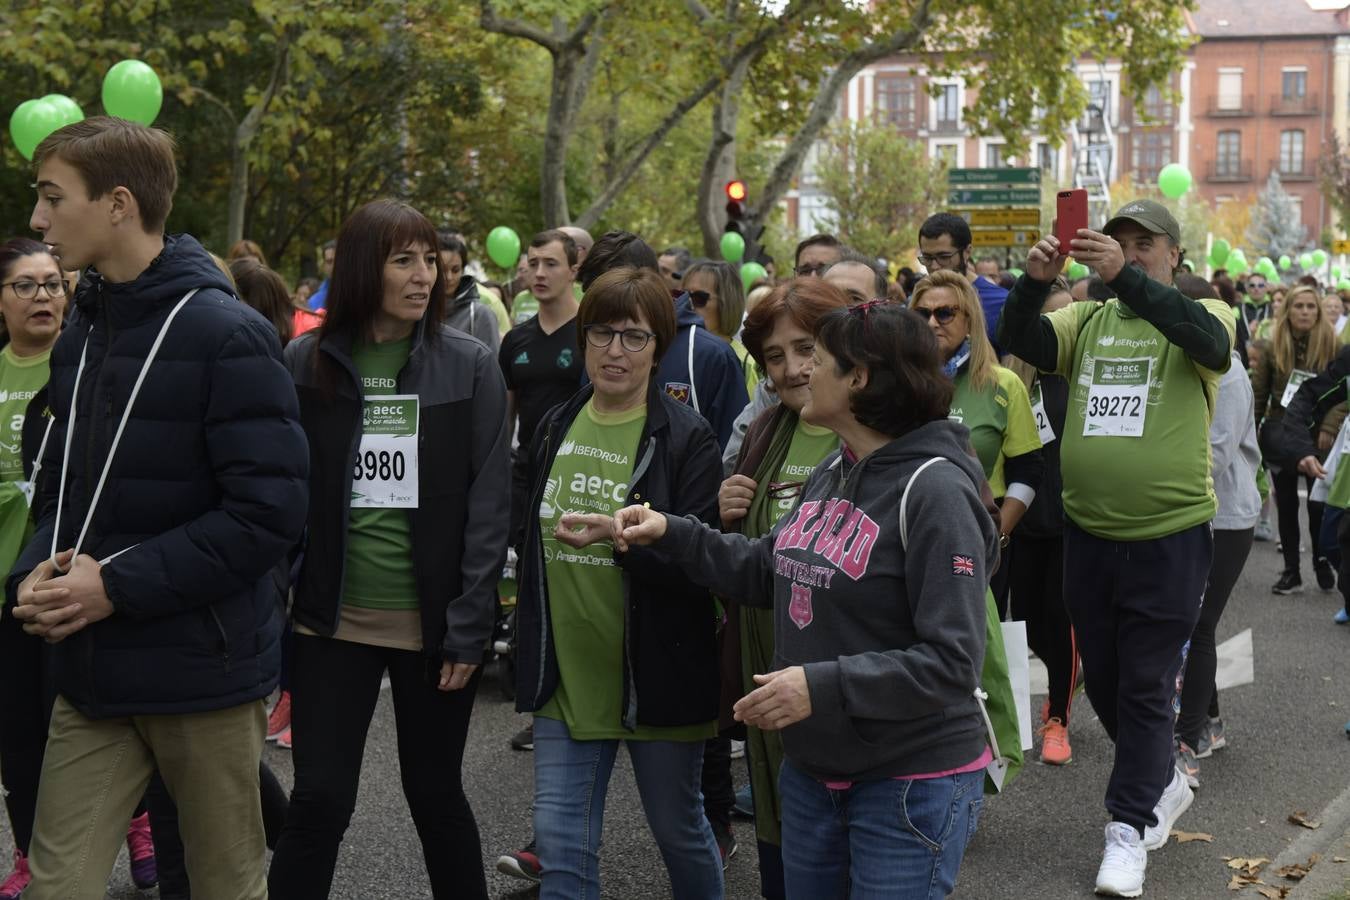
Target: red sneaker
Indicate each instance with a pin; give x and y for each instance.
(279, 719)
(1055, 749)
(284, 739)
(12, 887)
(141, 848)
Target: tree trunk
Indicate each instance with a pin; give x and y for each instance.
(244, 134)
(719, 166)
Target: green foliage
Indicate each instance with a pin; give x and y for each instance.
(879, 187)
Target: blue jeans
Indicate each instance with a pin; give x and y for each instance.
(894, 838)
(570, 781)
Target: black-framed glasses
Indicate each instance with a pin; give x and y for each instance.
(804, 271)
(28, 290)
(699, 298)
(634, 340)
(943, 314)
(943, 259)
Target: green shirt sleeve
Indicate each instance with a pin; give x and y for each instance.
(1068, 324)
(1021, 435)
(1204, 329)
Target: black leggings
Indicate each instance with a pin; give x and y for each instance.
(1343, 541)
(1036, 582)
(334, 688)
(27, 693)
(1199, 696)
(1286, 503)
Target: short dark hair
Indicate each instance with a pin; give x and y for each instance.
(1195, 287)
(627, 292)
(802, 300)
(110, 153)
(615, 249)
(356, 288)
(1098, 290)
(1227, 290)
(15, 249)
(681, 254)
(453, 243)
(265, 291)
(879, 279)
(815, 240)
(906, 387)
(938, 224)
(549, 236)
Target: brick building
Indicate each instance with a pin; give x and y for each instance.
(1265, 85)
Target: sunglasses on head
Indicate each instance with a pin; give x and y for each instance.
(699, 298)
(943, 314)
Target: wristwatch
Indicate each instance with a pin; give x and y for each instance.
(1003, 540)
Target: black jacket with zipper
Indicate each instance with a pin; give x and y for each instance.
(205, 493)
(459, 527)
(670, 670)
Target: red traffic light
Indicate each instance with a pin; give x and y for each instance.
(736, 190)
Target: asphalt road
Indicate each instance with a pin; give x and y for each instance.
(1287, 753)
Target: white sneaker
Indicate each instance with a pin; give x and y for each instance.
(737, 749)
(1175, 800)
(1123, 862)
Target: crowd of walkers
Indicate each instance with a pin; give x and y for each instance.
(767, 521)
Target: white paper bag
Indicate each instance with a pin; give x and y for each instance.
(1019, 673)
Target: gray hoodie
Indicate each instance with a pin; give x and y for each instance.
(470, 316)
(1236, 458)
(892, 641)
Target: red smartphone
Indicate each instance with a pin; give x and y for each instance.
(1071, 214)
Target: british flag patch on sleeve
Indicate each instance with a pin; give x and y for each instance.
(963, 565)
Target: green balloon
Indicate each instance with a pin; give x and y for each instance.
(1305, 260)
(1237, 261)
(32, 121)
(1174, 180)
(1016, 273)
(1343, 284)
(1335, 273)
(733, 247)
(1264, 261)
(1077, 270)
(1285, 261)
(1319, 257)
(752, 272)
(503, 247)
(1218, 253)
(131, 90)
(69, 109)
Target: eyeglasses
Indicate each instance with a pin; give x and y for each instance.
(811, 269)
(634, 340)
(941, 258)
(943, 314)
(1256, 284)
(28, 290)
(699, 298)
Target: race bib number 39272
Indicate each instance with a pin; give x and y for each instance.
(1117, 401)
(385, 471)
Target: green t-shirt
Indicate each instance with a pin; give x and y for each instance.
(748, 366)
(21, 378)
(585, 588)
(1000, 421)
(810, 444)
(1129, 377)
(379, 572)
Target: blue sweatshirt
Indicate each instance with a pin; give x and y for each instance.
(717, 389)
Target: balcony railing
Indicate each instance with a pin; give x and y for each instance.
(1305, 105)
(1305, 170)
(1229, 171)
(948, 126)
(1246, 107)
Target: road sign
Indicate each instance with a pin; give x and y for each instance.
(998, 196)
(1340, 246)
(1000, 217)
(999, 176)
(1017, 238)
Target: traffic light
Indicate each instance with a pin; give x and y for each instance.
(736, 210)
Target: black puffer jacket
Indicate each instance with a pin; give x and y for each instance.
(208, 488)
(670, 673)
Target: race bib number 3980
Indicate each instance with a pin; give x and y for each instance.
(1117, 401)
(385, 471)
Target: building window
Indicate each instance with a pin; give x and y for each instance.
(895, 101)
(993, 156)
(947, 153)
(1099, 105)
(1152, 151)
(1291, 152)
(1047, 159)
(947, 105)
(1294, 84)
(1157, 108)
(1229, 155)
(1230, 89)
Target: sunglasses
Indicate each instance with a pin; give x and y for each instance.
(943, 314)
(699, 298)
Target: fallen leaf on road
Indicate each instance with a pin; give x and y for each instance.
(1273, 893)
(1297, 871)
(1301, 818)
(1185, 837)
(1239, 882)
(1250, 865)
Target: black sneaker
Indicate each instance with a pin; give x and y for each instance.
(1326, 575)
(1289, 583)
(524, 739)
(726, 842)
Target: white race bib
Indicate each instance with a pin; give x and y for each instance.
(1043, 426)
(385, 474)
(1117, 402)
(1296, 378)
